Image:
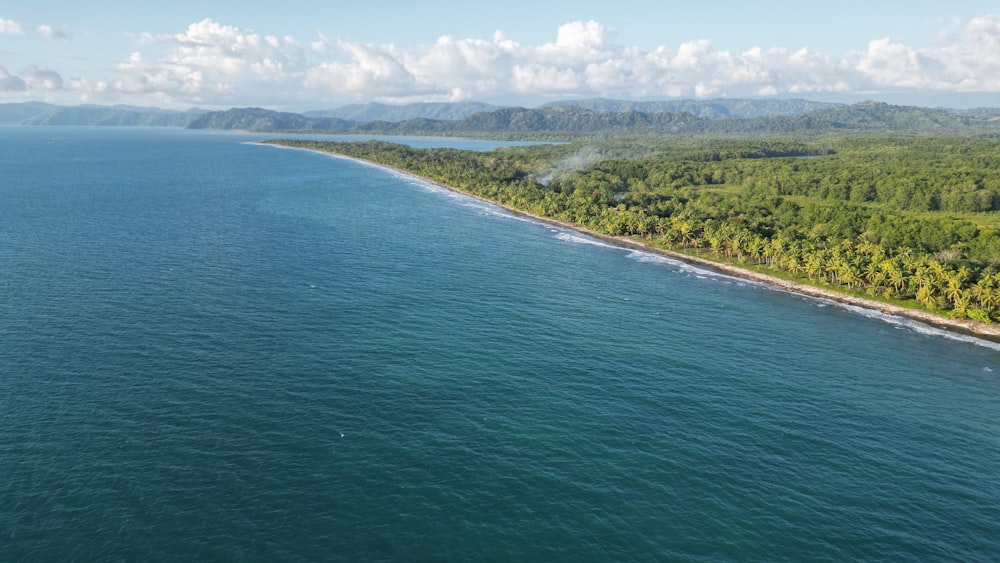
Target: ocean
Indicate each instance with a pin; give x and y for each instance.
(216, 350)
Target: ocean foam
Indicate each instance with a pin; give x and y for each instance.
(580, 238)
(906, 323)
(898, 321)
(678, 265)
(486, 208)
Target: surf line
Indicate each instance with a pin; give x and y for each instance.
(989, 334)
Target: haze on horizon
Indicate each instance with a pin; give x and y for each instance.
(311, 55)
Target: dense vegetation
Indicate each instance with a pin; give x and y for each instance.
(901, 218)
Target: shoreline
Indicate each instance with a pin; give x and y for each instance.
(961, 326)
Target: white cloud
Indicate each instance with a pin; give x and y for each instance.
(11, 83)
(691, 54)
(538, 78)
(38, 79)
(17, 28)
(968, 59)
(212, 64)
(11, 26)
(30, 81)
(889, 63)
(371, 71)
(580, 35)
(49, 32)
(577, 41)
(209, 63)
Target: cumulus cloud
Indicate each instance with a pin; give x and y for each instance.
(372, 70)
(49, 32)
(11, 26)
(39, 79)
(17, 28)
(967, 61)
(11, 83)
(213, 64)
(210, 63)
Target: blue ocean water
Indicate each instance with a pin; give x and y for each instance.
(217, 350)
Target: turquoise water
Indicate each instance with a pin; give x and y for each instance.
(216, 350)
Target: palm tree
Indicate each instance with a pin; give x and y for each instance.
(960, 304)
(738, 242)
(715, 238)
(874, 273)
(954, 290)
(871, 249)
(925, 295)
(849, 274)
(813, 264)
(984, 291)
(684, 225)
(775, 251)
(938, 270)
(756, 247)
(793, 264)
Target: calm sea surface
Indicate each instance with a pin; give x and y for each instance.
(212, 350)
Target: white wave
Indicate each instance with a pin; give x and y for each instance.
(580, 238)
(649, 257)
(484, 207)
(895, 320)
(419, 182)
(653, 258)
(913, 325)
(699, 272)
(487, 208)
(898, 321)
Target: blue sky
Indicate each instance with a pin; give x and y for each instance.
(301, 55)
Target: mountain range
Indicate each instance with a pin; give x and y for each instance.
(573, 119)
(713, 109)
(589, 116)
(37, 113)
(396, 113)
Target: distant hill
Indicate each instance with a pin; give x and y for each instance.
(980, 112)
(602, 116)
(569, 119)
(18, 114)
(395, 114)
(862, 117)
(878, 116)
(713, 109)
(35, 113)
(259, 119)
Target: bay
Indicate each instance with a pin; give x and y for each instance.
(216, 350)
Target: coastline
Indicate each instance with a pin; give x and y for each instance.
(961, 326)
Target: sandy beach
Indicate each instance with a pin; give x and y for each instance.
(963, 326)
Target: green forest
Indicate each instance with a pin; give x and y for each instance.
(912, 220)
